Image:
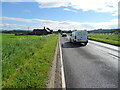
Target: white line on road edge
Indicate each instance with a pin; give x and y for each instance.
(115, 48)
(62, 69)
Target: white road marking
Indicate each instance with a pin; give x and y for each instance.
(62, 69)
(105, 45)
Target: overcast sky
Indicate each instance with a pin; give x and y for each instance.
(59, 14)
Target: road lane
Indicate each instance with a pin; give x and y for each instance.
(89, 66)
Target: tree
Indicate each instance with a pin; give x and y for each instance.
(59, 30)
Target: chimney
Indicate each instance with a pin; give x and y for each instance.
(44, 28)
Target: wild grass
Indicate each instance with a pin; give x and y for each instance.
(26, 60)
(0, 61)
(110, 38)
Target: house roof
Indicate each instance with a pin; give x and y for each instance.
(45, 29)
(38, 29)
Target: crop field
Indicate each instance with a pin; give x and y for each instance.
(110, 38)
(26, 60)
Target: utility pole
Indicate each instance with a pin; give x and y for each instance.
(28, 28)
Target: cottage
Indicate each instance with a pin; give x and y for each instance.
(43, 31)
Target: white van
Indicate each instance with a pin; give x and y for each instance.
(79, 36)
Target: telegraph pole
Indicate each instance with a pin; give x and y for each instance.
(28, 28)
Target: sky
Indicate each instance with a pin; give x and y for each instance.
(59, 14)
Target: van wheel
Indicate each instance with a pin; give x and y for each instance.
(74, 41)
(70, 41)
(85, 43)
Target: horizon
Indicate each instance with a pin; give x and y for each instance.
(59, 29)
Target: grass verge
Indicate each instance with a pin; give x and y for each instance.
(26, 60)
(0, 61)
(106, 38)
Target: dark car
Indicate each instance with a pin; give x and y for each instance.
(64, 35)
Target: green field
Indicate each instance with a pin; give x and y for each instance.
(110, 38)
(0, 61)
(26, 60)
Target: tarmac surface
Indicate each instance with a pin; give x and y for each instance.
(91, 66)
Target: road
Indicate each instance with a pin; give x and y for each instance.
(91, 66)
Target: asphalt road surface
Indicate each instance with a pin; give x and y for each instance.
(91, 66)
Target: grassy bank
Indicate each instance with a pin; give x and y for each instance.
(0, 61)
(105, 37)
(26, 60)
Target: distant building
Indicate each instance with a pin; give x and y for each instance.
(43, 31)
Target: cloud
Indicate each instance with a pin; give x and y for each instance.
(18, 0)
(7, 26)
(102, 6)
(110, 6)
(53, 3)
(66, 9)
(55, 25)
(17, 19)
(115, 14)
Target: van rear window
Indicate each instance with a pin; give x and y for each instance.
(82, 33)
